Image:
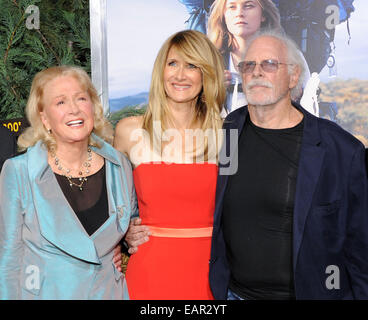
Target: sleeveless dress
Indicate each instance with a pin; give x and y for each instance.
(173, 264)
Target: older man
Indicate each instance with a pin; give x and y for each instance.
(292, 222)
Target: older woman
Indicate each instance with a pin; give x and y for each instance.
(67, 201)
(175, 175)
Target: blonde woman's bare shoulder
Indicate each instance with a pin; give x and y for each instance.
(123, 131)
(130, 123)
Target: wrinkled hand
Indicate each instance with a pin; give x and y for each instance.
(228, 77)
(136, 235)
(117, 258)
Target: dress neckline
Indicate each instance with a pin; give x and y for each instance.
(162, 163)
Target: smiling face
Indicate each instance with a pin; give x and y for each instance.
(67, 111)
(268, 88)
(243, 17)
(182, 80)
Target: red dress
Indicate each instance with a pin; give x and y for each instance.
(178, 196)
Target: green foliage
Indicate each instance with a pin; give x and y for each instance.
(130, 111)
(63, 38)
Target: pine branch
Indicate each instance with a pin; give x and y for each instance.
(25, 52)
(12, 37)
(49, 46)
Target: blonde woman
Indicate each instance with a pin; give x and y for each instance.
(174, 173)
(66, 202)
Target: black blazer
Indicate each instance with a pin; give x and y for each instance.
(330, 213)
(8, 146)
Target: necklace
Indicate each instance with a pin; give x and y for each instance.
(67, 172)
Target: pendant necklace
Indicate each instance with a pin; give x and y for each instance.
(82, 173)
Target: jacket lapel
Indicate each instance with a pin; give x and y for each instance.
(228, 161)
(310, 164)
(107, 236)
(58, 222)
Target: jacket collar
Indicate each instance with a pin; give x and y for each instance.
(57, 220)
(236, 120)
(39, 166)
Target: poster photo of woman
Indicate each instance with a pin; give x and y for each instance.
(329, 33)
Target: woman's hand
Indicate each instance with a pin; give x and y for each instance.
(136, 235)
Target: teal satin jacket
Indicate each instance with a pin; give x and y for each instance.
(45, 253)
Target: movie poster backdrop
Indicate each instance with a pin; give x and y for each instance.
(331, 35)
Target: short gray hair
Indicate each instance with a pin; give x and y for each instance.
(294, 57)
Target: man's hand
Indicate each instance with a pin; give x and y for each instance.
(117, 258)
(136, 235)
(228, 78)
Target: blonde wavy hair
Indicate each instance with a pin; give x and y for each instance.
(35, 105)
(198, 50)
(220, 35)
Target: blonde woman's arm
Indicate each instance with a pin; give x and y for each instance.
(124, 141)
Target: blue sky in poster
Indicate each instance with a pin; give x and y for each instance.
(136, 30)
(352, 59)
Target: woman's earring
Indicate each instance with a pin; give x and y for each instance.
(203, 98)
(49, 131)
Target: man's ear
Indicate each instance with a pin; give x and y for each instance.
(294, 76)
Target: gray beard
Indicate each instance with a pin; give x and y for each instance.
(267, 101)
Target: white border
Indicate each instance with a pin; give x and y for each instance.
(98, 38)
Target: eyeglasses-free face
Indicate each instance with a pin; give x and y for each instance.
(269, 65)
